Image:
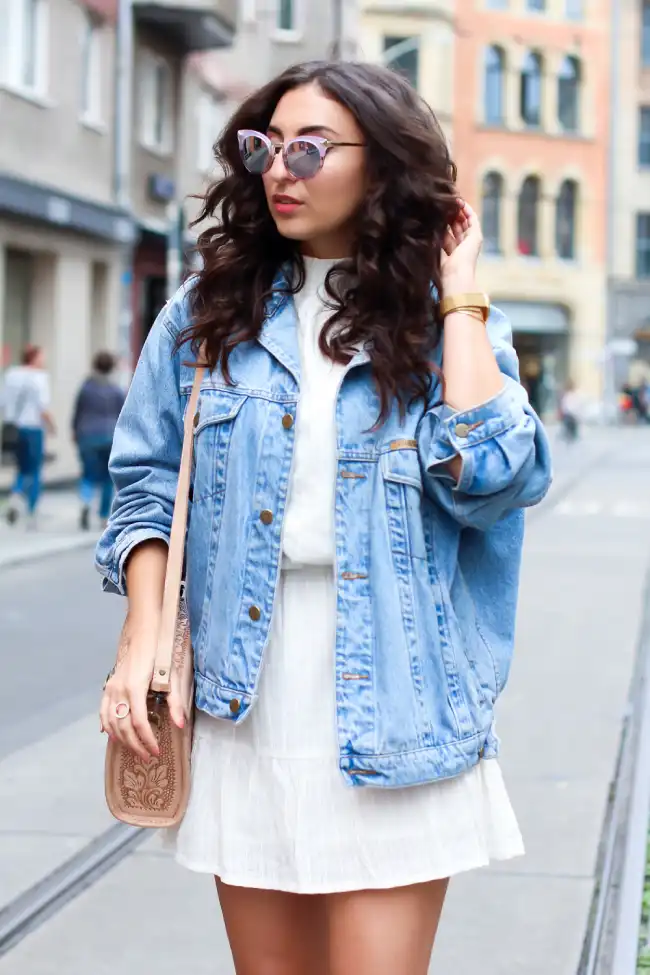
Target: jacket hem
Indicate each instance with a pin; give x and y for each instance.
(398, 770)
(220, 701)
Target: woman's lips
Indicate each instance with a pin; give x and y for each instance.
(285, 204)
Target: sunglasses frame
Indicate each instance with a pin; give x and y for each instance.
(319, 142)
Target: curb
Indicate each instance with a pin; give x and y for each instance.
(58, 546)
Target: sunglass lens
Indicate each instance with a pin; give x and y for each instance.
(303, 158)
(255, 153)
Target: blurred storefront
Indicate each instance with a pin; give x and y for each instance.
(541, 337)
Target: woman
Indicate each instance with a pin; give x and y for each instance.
(348, 526)
(96, 410)
(27, 407)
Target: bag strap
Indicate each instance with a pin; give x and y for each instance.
(161, 679)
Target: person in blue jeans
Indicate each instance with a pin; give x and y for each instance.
(97, 407)
(26, 402)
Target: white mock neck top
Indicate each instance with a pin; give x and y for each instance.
(309, 517)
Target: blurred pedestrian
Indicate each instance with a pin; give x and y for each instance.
(570, 410)
(97, 407)
(347, 526)
(26, 414)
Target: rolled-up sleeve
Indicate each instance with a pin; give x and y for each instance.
(502, 444)
(146, 453)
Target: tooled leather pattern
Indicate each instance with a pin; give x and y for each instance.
(151, 787)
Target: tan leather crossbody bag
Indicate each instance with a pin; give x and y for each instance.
(156, 793)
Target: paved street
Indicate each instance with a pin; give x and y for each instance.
(587, 553)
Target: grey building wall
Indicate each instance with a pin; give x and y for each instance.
(43, 137)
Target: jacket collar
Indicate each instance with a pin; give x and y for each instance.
(279, 333)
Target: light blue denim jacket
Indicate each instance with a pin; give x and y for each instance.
(426, 569)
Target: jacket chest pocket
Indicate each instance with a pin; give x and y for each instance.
(214, 424)
(402, 476)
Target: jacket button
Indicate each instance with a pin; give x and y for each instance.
(462, 430)
(255, 613)
(287, 421)
(481, 753)
(197, 417)
(234, 705)
(266, 516)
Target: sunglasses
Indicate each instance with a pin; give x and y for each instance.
(303, 157)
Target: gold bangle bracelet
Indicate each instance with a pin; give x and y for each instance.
(470, 312)
(478, 301)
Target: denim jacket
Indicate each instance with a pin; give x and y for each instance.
(426, 567)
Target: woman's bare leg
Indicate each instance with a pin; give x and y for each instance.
(384, 932)
(274, 933)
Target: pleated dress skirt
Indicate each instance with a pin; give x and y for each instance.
(269, 807)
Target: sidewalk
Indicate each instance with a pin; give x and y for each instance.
(57, 530)
(560, 722)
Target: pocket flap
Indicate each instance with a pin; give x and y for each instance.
(217, 406)
(400, 463)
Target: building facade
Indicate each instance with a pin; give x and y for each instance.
(80, 257)
(418, 39)
(530, 137)
(629, 292)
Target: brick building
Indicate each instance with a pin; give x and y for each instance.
(530, 136)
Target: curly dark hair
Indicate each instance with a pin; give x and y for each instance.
(381, 295)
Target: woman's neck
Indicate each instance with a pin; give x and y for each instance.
(334, 247)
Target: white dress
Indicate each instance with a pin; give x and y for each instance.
(269, 807)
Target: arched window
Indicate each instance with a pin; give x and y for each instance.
(531, 89)
(527, 217)
(495, 62)
(565, 220)
(492, 195)
(568, 94)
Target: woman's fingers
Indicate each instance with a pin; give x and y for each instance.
(450, 243)
(127, 735)
(177, 710)
(133, 729)
(142, 728)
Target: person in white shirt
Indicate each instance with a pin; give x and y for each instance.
(26, 403)
(570, 409)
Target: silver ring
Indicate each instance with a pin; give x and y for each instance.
(122, 710)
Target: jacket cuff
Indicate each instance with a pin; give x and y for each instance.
(113, 571)
(460, 430)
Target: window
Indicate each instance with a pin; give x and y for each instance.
(496, 4)
(492, 195)
(644, 136)
(286, 15)
(494, 85)
(157, 103)
(536, 6)
(527, 217)
(91, 71)
(643, 245)
(569, 94)
(211, 118)
(573, 9)
(531, 89)
(565, 220)
(248, 11)
(645, 33)
(402, 54)
(23, 44)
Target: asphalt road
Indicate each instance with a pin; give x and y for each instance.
(58, 634)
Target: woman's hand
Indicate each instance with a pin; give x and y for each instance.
(461, 249)
(126, 694)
